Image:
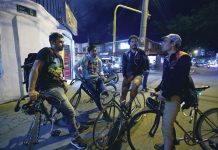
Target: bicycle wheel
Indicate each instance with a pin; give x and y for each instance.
(116, 79)
(141, 134)
(106, 127)
(138, 104)
(111, 87)
(75, 99)
(33, 133)
(207, 128)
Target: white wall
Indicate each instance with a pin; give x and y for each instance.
(21, 34)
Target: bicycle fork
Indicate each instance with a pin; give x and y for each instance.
(155, 125)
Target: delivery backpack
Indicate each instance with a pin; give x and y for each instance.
(28, 63)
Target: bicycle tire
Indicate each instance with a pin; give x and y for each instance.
(138, 103)
(207, 127)
(34, 130)
(138, 131)
(111, 87)
(104, 126)
(117, 77)
(75, 99)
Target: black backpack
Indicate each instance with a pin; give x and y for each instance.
(28, 63)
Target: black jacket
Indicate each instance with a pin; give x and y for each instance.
(134, 63)
(175, 74)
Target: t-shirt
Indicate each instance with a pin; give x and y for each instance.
(91, 67)
(51, 73)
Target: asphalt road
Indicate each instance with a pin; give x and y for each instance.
(14, 126)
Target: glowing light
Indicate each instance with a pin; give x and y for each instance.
(124, 46)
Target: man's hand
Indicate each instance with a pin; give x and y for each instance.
(33, 94)
(160, 97)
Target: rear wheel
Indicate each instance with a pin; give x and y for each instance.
(75, 99)
(138, 131)
(207, 129)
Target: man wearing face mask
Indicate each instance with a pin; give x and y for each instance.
(47, 75)
(133, 64)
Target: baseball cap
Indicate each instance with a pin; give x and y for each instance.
(175, 38)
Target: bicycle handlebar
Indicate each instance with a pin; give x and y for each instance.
(40, 97)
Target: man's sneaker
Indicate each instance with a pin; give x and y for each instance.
(161, 147)
(145, 90)
(83, 128)
(78, 143)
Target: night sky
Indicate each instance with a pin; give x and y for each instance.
(95, 17)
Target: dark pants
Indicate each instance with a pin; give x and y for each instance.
(95, 87)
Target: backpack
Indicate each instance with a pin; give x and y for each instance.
(189, 96)
(28, 63)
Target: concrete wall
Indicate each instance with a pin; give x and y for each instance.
(21, 34)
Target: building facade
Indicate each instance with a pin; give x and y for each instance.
(24, 28)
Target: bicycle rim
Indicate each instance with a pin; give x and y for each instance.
(138, 131)
(33, 133)
(138, 104)
(106, 129)
(75, 99)
(111, 87)
(207, 128)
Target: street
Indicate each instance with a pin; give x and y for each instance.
(14, 125)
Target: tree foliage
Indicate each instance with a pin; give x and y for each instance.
(200, 28)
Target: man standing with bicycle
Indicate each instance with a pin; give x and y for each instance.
(176, 70)
(133, 64)
(46, 75)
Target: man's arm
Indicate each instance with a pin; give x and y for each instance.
(76, 67)
(33, 78)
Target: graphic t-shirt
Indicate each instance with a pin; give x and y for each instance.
(51, 72)
(91, 67)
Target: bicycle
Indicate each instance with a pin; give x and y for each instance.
(108, 130)
(41, 116)
(75, 100)
(148, 132)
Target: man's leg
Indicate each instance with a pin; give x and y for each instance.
(145, 79)
(171, 110)
(125, 88)
(61, 102)
(134, 89)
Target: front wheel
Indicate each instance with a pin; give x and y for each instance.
(106, 127)
(111, 87)
(207, 129)
(144, 133)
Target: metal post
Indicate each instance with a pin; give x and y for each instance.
(115, 22)
(143, 25)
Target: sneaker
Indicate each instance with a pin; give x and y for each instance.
(83, 128)
(161, 147)
(145, 90)
(78, 143)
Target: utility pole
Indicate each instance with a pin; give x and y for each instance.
(143, 25)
